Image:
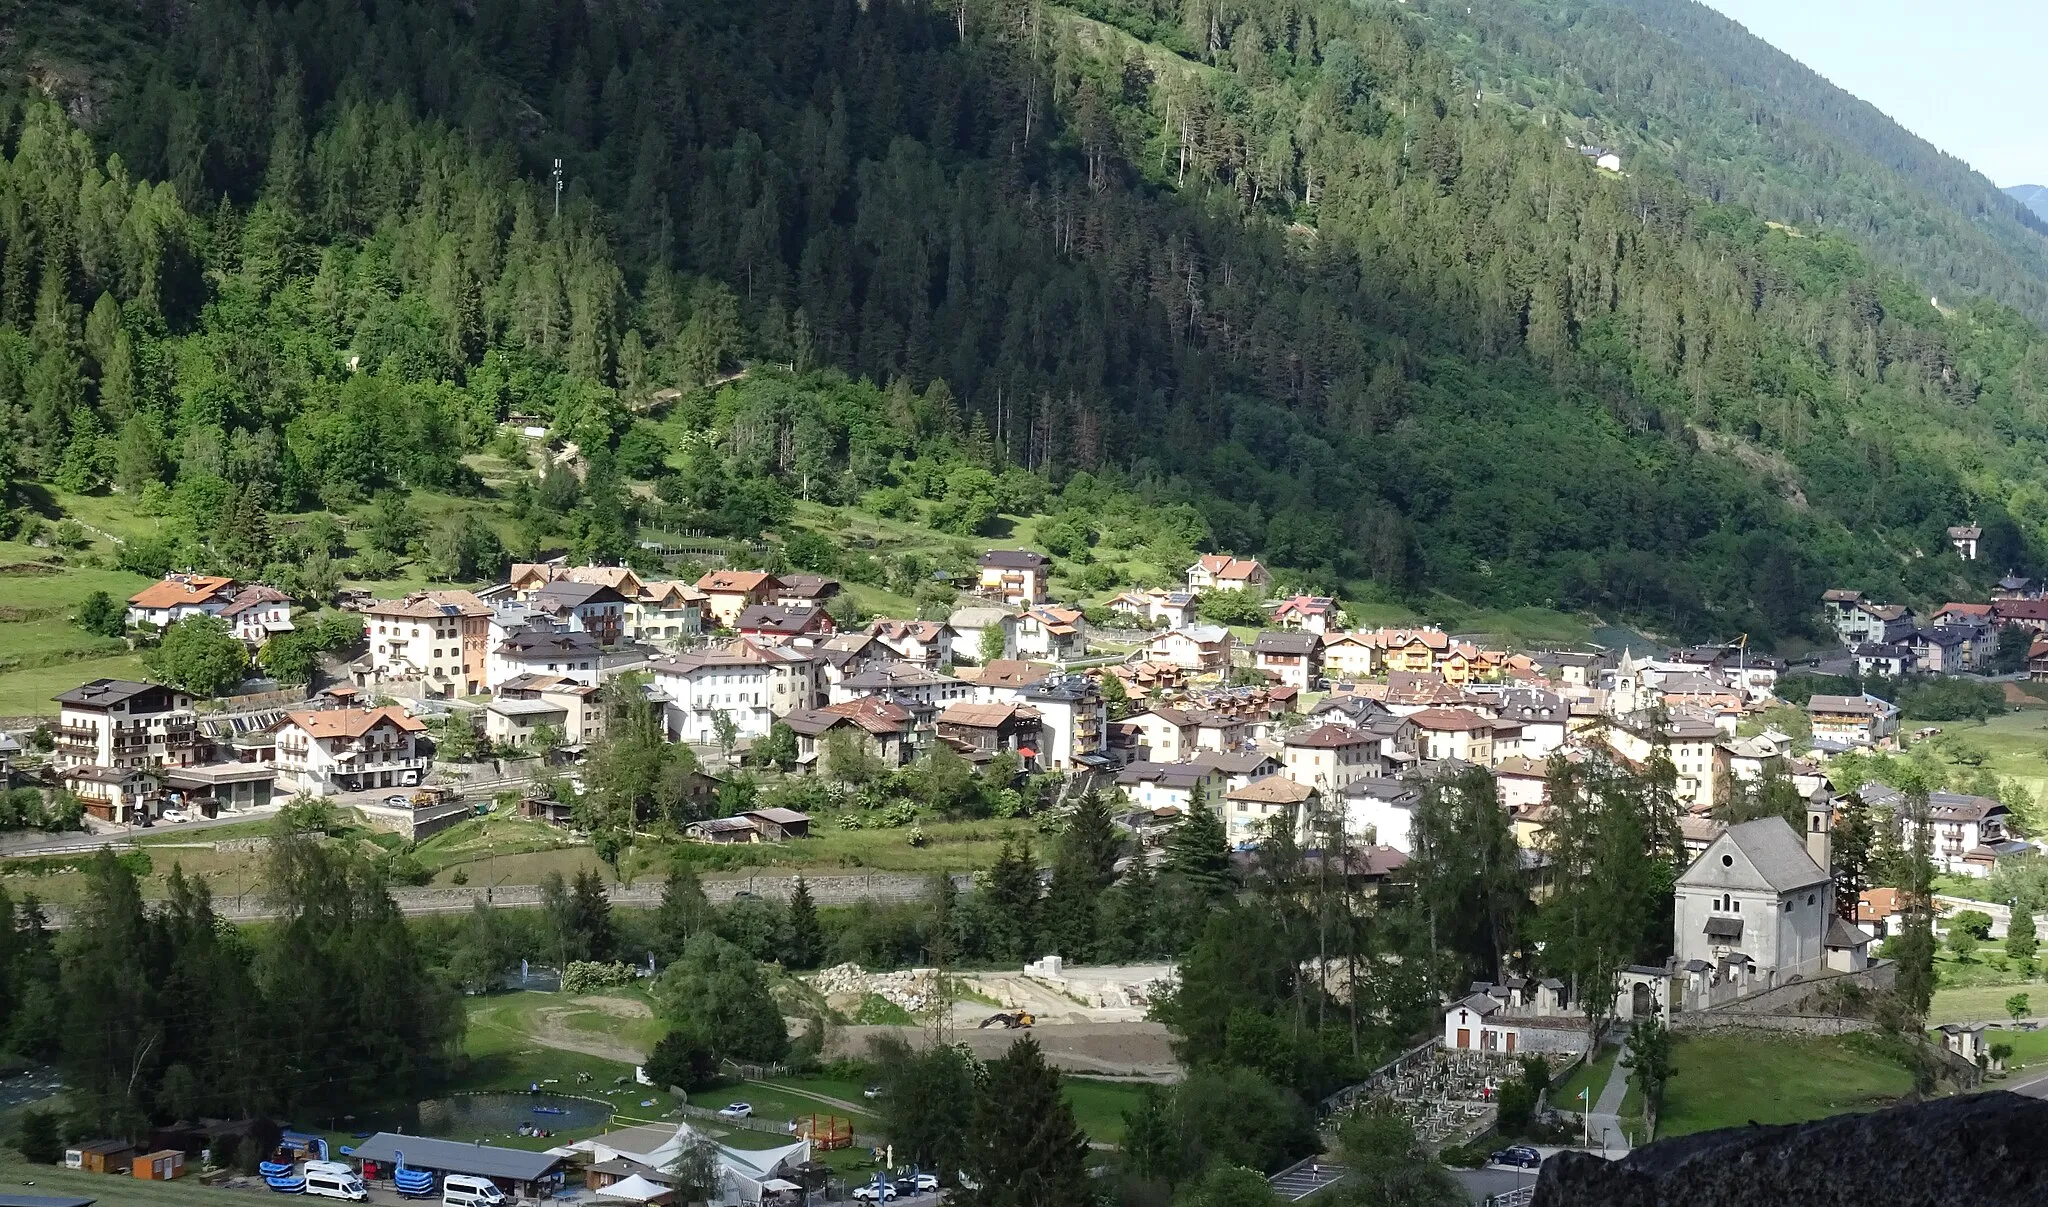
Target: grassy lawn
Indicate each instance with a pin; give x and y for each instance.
(29, 692)
(50, 640)
(1100, 1106)
(2015, 746)
(527, 1014)
(1728, 1079)
(1983, 1003)
(772, 1101)
(848, 1091)
(113, 1191)
(1590, 1076)
(2029, 1048)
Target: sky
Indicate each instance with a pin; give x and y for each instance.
(1966, 75)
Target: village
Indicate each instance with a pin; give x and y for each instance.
(1161, 699)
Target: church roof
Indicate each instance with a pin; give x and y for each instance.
(1771, 848)
(1777, 853)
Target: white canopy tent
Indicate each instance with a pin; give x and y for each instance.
(637, 1189)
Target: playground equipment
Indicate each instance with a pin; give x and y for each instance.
(825, 1131)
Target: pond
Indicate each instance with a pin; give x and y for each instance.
(497, 1116)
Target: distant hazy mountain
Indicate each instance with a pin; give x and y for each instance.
(2033, 196)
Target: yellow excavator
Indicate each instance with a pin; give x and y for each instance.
(1008, 1021)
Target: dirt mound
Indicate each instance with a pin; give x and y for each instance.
(1135, 1049)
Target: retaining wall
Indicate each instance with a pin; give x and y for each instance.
(1804, 1024)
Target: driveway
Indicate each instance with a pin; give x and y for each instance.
(18, 846)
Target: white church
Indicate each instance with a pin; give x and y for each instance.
(1756, 910)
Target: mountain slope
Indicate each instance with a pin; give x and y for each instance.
(2033, 196)
(1262, 272)
(1677, 85)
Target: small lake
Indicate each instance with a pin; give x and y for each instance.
(495, 1116)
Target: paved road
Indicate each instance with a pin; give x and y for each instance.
(1484, 1184)
(1604, 1120)
(18, 845)
(2034, 1085)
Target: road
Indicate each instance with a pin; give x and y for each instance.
(21, 845)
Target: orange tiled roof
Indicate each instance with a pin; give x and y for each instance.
(352, 722)
(181, 590)
(734, 582)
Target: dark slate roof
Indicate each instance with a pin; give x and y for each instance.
(448, 1156)
(531, 644)
(1723, 928)
(1842, 934)
(1287, 643)
(1014, 559)
(1777, 853)
(564, 593)
(106, 693)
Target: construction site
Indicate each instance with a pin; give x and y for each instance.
(1088, 1020)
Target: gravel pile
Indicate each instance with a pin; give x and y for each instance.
(911, 988)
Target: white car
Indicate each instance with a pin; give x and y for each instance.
(736, 1110)
(870, 1192)
(398, 802)
(173, 816)
(927, 1182)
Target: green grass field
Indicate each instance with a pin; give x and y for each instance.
(30, 692)
(1590, 1076)
(41, 651)
(2015, 746)
(22, 1178)
(1728, 1079)
(1099, 1106)
(1984, 1003)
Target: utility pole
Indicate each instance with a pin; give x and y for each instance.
(557, 177)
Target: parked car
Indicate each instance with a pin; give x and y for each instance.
(873, 1091)
(174, 816)
(398, 802)
(1519, 1155)
(736, 1110)
(927, 1182)
(870, 1192)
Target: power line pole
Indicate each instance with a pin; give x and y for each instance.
(557, 177)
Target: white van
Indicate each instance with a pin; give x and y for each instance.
(334, 1180)
(462, 1190)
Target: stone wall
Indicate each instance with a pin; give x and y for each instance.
(1805, 1024)
(1790, 999)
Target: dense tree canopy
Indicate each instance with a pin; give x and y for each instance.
(1271, 267)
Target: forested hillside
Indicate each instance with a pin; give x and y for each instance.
(1674, 84)
(1271, 262)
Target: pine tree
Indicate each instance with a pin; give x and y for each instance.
(1850, 846)
(684, 911)
(1197, 853)
(1071, 914)
(941, 937)
(1024, 1148)
(1091, 839)
(2021, 939)
(806, 943)
(1012, 894)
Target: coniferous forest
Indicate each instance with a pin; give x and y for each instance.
(1283, 270)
